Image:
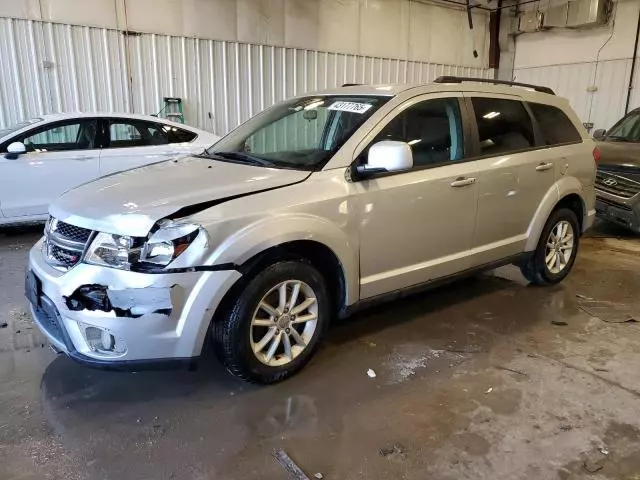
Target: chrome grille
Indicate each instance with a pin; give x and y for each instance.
(77, 234)
(616, 184)
(65, 243)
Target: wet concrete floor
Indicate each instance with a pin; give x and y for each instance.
(483, 379)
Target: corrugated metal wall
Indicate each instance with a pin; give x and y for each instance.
(603, 107)
(47, 67)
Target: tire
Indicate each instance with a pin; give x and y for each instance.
(236, 336)
(536, 270)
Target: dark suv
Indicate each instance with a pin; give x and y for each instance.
(618, 177)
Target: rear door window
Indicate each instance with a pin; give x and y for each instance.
(125, 133)
(555, 126)
(504, 126)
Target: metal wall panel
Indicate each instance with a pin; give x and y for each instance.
(602, 107)
(47, 67)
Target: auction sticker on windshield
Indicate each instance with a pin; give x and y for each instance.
(352, 107)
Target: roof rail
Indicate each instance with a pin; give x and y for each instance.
(453, 79)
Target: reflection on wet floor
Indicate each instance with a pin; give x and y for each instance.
(473, 380)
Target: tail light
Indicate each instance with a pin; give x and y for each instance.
(596, 155)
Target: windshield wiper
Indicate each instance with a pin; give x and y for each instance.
(241, 158)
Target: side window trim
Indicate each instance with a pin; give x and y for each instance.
(102, 136)
(538, 137)
(472, 135)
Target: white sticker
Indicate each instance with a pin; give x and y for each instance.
(352, 107)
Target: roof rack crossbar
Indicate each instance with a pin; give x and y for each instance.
(453, 79)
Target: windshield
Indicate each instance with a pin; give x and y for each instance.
(14, 128)
(627, 129)
(302, 133)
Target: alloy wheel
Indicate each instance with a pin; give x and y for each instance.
(284, 323)
(559, 247)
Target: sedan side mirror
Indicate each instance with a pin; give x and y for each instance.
(15, 149)
(386, 156)
(599, 134)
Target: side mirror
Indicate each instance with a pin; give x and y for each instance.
(599, 134)
(14, 150)
(387, 156)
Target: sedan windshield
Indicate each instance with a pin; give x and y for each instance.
(14, 128)
(302, 133)
(627, 129)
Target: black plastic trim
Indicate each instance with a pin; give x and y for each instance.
(430, 284)
(454, 79)
(188, 363)
(203, 268)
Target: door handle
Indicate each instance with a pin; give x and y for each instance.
(86, 157)
(463, 181)
(544, 166)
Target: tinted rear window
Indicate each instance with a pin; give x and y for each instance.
(555, 126)
(177, 135)
(503, 126)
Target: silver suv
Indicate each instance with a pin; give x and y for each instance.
(316, 207)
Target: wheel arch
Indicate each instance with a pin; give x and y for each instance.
(323, 243)
(318, 254)
(566, 192)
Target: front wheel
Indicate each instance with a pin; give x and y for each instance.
(273, 327)
(556, 251)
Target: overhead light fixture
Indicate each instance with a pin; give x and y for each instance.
(491, 115)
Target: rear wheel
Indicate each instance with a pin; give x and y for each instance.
(556, 251)
(273, 327)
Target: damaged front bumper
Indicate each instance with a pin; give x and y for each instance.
(121, 319)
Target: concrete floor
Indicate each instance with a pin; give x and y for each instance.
(483, 379)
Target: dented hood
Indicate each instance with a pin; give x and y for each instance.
(129, 203)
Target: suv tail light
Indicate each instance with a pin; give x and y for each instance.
(596, 154)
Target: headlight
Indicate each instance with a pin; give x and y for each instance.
(116, 251)
(168, 242)
(133, 253)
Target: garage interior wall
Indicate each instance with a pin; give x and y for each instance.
(227, 59)
(591, 67)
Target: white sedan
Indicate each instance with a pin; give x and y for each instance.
(43, 157)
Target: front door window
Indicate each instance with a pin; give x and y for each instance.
(76, 135)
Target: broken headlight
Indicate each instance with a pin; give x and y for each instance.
(117, 251)
(132, 253)
(168, 242)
